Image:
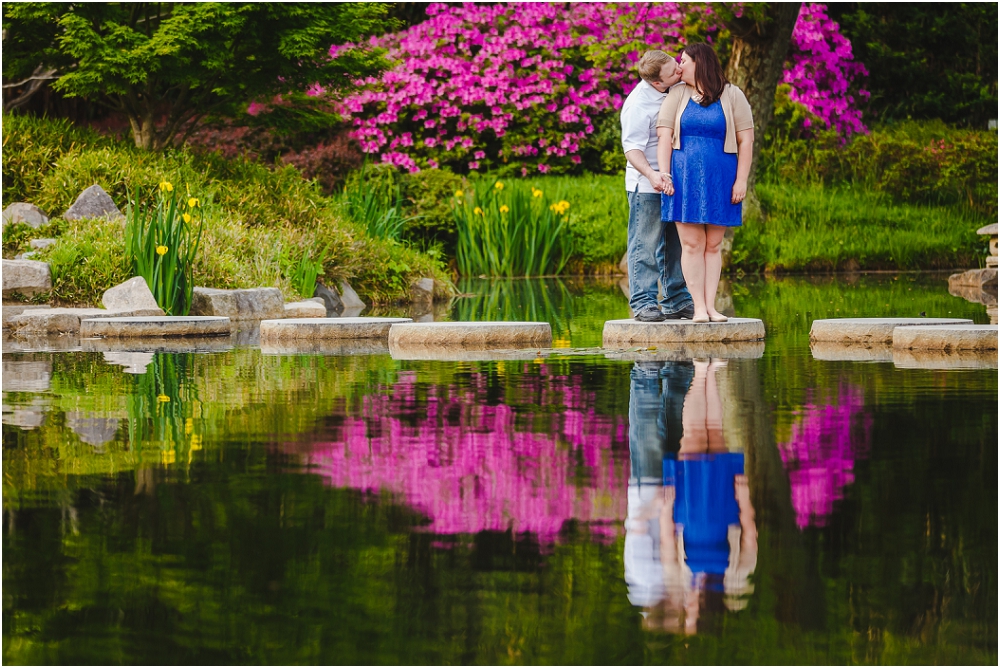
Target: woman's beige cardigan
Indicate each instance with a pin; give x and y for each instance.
(739, 117)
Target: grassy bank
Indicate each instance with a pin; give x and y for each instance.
(259, 222)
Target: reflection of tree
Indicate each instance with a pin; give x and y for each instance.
(820, 454)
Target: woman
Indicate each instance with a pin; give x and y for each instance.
(705, 130)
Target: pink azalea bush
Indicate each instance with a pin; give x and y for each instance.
(822, 72)
(522, 86)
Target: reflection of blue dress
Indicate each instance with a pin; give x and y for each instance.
(703, 173)
(705, 505)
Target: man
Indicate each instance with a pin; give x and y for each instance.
(654, 249)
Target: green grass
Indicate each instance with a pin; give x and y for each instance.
(254, 217)
(812, 228)
(808, 228)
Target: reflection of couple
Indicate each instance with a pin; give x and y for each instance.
(690, 537)
(688, 157)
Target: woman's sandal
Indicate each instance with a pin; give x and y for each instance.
(701, 319)
(718, 318)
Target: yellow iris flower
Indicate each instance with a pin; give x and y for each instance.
(504, 209)
(166, 186)
(161, 250)
(459, 194)
(477, 211)
(192, 203)
(186, 217)
(499, 185)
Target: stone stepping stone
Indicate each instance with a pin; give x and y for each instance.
(939, 360)
(827, 351)
(629, 333)
(688, 351)
(462, 354)
(290, 329)
(870, 331)
(946, 337)
(155, 326)
(469, 335)
(11, 311)
(330, 347)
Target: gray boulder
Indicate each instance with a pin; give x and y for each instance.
(13, 310)
(131, 295)
(39, 244)
(93, 203)
(350, 298)
(249, 304)
(422, 292)
(22, 212)
(26, 277)
(331, 299)
(306, 309)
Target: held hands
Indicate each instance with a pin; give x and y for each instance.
(667, 184)
(739, 191)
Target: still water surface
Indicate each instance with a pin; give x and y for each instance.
(754, 505)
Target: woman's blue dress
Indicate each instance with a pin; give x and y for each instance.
(703, 173)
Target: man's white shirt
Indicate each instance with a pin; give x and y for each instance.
(638, 116)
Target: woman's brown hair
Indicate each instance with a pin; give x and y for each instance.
(708, 75)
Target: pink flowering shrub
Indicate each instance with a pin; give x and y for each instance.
(523, 87)
(480, 87)
(819, 457)
(822, 72)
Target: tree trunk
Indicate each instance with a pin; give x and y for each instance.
(760, 45)
(761, 38)
(143, 131)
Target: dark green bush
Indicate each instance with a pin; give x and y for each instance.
(429, 194)
(915, 163)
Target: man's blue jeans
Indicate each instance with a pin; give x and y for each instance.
(655, 412)
(654, 252)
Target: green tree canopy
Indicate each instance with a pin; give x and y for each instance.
(168, 65)
(934, 60)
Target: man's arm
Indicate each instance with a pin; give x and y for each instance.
(637, 159)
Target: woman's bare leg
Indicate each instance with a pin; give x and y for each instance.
(714, 234)
(692, 238)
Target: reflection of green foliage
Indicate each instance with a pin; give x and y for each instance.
(236, 555)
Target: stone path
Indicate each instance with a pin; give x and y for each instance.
(470, 335)
(625, 333)
(946, 337)
(155, 326)
(870, 331)
(290, 329)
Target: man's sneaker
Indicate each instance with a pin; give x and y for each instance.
(685, 313)
(650, 314)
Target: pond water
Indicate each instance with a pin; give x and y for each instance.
(756, 507)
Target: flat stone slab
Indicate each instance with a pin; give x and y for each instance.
(144, 346)
(11, 311)
(290, 329)
(155, 327)
(331, 347)
(65, 320)
(940, 360)
(687, 351)
(33, 374)
(827, 351)
(870, 331)
(470, 335)
(459, 353)
(946, 337)
(629, 333)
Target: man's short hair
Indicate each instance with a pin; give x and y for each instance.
(651, 63)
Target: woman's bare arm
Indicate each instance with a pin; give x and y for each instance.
(664, 150)
(744, 153)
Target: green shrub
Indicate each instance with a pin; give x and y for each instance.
(253, 217)
(373, 200)
(31, 146)
(912, 162)
(428, 194)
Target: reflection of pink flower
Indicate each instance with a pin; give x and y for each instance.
(820, 455)
(471, 466)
